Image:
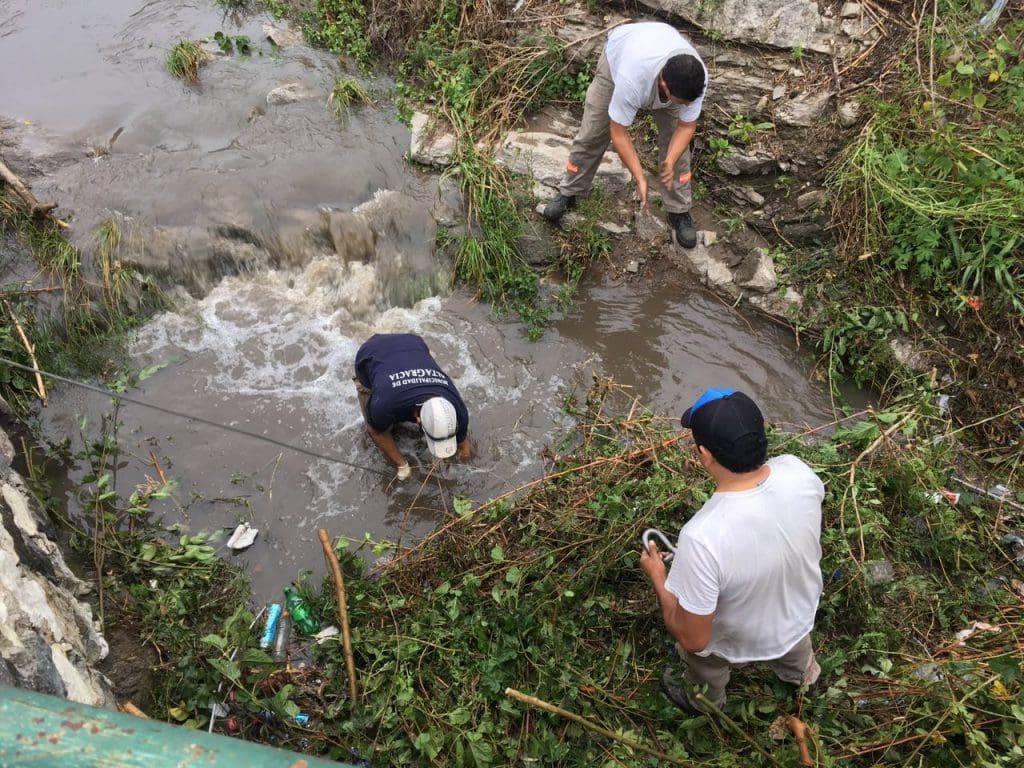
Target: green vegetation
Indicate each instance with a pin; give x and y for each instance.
(345, 94)
(231, 43)
(95, 303)
(541, 592)
(743, 129)
(185, 59)
(929, 207)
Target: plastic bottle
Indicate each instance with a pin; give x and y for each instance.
(270, 628)
(284, 633)
(302, 615)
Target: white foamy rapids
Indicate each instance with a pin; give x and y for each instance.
(287, 340)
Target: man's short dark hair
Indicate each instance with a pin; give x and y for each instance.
(684, 76)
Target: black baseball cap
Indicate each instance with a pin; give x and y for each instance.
(730, 425)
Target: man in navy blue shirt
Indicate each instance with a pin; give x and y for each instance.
(397, 380)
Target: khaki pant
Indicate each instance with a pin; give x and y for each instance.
(797, 666)
(594, 136)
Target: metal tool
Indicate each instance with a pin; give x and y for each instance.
(659, 538)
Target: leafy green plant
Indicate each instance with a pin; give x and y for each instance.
(743, 129)
(185, 59)
(720, 146)
(231, 43)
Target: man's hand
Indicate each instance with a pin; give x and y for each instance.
(641, 187)
(667, 175)
(653, 564)
(404, 471)
(465, 450)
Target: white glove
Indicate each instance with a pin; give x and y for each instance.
(404, 471)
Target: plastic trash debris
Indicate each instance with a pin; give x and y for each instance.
(243, 537)
(301, 719)
(326, 633)
(270, 628)
(951, 496)
(302, 614)
(284, 633)
(217, 709)
(978, 626)
(992, 16)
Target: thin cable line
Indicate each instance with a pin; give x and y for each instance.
(199, 419)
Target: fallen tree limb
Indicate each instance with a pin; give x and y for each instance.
(35, 208)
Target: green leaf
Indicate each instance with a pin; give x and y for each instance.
(498, 555)
(1006, 666)
(216, 640)
(463, 506)
(459, 716)
(227, 668)
(964, 69)
(980, 100)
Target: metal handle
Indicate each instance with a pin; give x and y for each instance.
(659, 538)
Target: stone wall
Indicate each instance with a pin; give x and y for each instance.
(49, 641)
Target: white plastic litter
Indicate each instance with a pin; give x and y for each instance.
(325, 633)
(243, 537)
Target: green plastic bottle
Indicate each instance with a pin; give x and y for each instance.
(302, 616)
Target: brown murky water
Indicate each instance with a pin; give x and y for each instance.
(271, 352)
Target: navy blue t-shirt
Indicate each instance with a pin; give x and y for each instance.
(401, 374)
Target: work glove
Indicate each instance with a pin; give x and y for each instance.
(404, 471)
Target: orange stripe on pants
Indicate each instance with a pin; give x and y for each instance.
(572, 167)
(685, 177)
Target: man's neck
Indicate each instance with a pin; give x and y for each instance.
(731, 482)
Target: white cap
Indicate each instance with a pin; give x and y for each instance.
(440, 423)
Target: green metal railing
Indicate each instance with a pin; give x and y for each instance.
(40, 730)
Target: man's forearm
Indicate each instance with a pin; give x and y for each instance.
(623, 146)
(681, 138)
(386, 443)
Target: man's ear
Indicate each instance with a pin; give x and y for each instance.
(705, 456)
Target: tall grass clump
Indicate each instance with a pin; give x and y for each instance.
(184, 60)
(347, 93)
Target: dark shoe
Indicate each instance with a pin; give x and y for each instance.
(682, 225)
(677, 694)
(556, 209)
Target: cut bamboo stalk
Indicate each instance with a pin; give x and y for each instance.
(533, 701)
(40, 389)
(339, 588)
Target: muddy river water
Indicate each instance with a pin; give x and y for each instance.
(269, 351)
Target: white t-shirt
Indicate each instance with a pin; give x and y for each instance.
(636, 55)
(752, 558)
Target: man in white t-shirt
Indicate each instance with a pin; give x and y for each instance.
(745, 579)
(644, 66)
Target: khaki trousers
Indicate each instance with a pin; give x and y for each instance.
(594, 136)
(798, 666)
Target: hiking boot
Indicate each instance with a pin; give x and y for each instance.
(676, 693)
(556, 209)
(682, 225)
